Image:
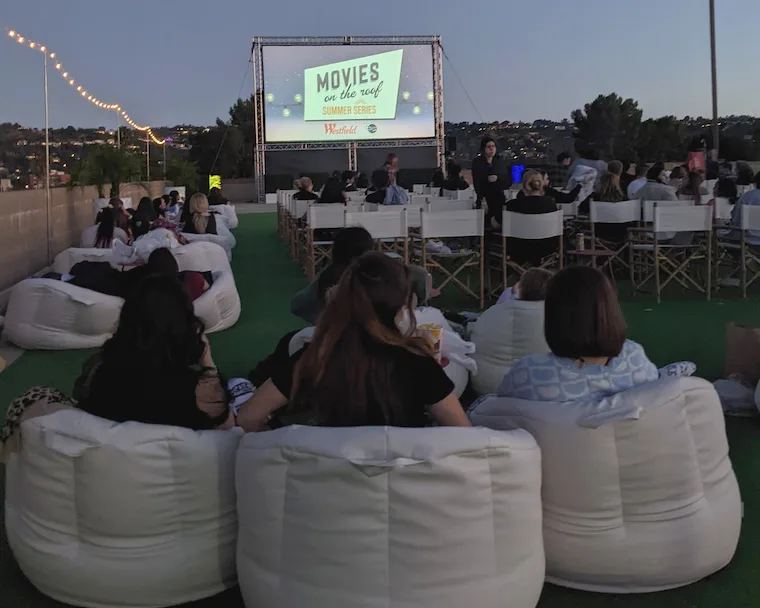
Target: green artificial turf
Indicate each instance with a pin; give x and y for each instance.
(679, 328)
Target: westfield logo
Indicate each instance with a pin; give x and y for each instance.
(332, 128)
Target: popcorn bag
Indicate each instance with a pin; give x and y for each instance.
(433, 333)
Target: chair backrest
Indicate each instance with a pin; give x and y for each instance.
(419, 199)
(481, 488)
(444, 224)
(531, 226)
(326, 216)
(299, 208)
(419, 188)
(459, 195)
(710, 184)
(623, 212)
(723, 208)
(381, 224)
(443, 204)
(742, 190)
(108, 491)
(414, 215)
(647, 208)
(683, 219)
(624, 472)
(750, 217)
(355, 207)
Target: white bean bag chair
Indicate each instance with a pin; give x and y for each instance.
(225, 238)
(219, 308)
(46, 314)
(52, 315)
(202, 256)
(102, 514)
(384, 516)
(503, 334)
(227, 212)
(68, 258)
(639, 494)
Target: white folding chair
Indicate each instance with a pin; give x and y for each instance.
(321, 217)
(414, 215)
(419, 199)
(529, 227)
(388, 229)
(602, 217)
(468, 223)
(723, 209)
(419, 188)
(355, 207)
(740, 258)
(677, 257)
(647, 208)
(443, 204)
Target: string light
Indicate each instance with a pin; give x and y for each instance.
(94, 100)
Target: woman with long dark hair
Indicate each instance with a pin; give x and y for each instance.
(143, 217)
(361, 369)
(332, 192)
(157, 368)
(103, 234)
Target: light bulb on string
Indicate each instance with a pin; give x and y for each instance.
(13, 34)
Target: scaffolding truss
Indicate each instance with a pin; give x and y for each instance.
(261, 146)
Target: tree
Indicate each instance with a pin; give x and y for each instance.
(183, 172)
(609, 125)
(661, 139)
(106, 165)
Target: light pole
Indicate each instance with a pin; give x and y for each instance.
(147, 157)
(47, 164)
(713, 62)
(118, 131)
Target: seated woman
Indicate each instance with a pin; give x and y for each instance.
(305, 190)
(454, 181)
(215, 197)
(162, 263)
(349, 244)
(160, 205)
(157, 368)
(332, 192)
(103, 234)
(380, 182)
(559, 197)
(533, 202)
(360, 369)
(120, 215)
(143, 218)
(610, 192)
(590, 358)
(200, 221)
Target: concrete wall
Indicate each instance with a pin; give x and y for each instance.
(23, 225)
(239, 190)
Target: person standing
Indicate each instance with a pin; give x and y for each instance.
(559, 173)
(490, 179)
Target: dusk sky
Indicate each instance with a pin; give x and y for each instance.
(182, 61)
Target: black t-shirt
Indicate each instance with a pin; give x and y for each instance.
(378, 196)
(419, 381)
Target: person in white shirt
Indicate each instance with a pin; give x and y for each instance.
(103, 234)
(639, 182)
